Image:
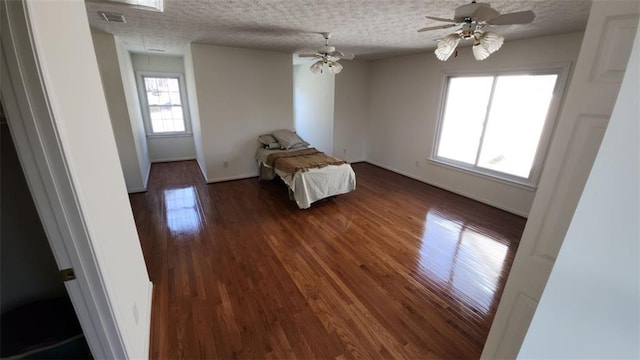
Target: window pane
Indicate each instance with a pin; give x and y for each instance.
(153, 98)
(516, 119)
(464, 115)
(178, 125)
(166, 113)
(176, 112)
(173, 85)
(150, 85)
(155, 113)
(164, 99)
(175, 98)
(157, 125)
(165, 104)
(162, 84)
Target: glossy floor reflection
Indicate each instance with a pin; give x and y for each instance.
(395, 269)
(467, 262)
(182, 211)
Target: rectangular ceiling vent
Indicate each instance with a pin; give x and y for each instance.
(112, 17)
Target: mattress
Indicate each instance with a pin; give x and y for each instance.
(314, 184)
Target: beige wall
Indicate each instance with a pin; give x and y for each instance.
(194, 109)
(132, 161)
(240, 94)
(313, 96)
(405, 100)
(135, 112)
(351, 110)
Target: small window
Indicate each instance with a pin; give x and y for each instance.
(163, 99)
(498, 125)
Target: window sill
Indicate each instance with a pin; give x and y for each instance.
(503, 180)
(170, 135)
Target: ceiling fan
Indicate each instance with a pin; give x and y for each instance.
(474, 18)
(327, 56)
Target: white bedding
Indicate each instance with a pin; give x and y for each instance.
(314, 184)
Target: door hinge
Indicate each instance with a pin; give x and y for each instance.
(67, 274)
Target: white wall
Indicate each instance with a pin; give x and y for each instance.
(313, 96)
(165, 148)
(171, 148)
(405, 100)
(72, 81)
(28, 270)
(194, 110)
(589, 308)
(110, 73)
(135, 112)
(350, 112)
(240, 94)
(162, 63)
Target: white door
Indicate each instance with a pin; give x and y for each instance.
(589, 102)
(40, 153)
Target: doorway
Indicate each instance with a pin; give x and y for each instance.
(36, 315)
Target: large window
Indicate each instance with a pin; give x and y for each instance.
(163, 100)
(498, 124)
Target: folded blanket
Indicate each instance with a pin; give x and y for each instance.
(301, 160)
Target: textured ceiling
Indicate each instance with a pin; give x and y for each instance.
(368, 28)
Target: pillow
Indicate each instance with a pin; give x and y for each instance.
(287, 138)
(301, 145)
(268, 141)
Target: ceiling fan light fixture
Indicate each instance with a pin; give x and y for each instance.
(334, 67)
(468, 29)
(327, 55)
(446, 46)
(316, 67)
(475, 18)
(486, 44)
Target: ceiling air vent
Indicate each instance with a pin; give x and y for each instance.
(112, 17)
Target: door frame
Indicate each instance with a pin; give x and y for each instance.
(39, 147)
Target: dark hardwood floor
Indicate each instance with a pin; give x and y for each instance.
(395, 269)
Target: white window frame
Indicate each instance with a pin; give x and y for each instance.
(562, 70)
(144, 103)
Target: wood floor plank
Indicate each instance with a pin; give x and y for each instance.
(396, 269)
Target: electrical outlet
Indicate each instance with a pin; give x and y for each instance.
(344, 151)
(417, 163)
(226, 164)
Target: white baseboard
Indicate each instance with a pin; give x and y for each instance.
(229, 178)
(202, 169)
(448, 188)
(185, 158)
(145, 182)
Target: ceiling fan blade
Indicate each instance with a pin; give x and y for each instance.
(440, 19)
(437, 27)
(520, 17)
(307, 55)
(341, 55)
(485, 13)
